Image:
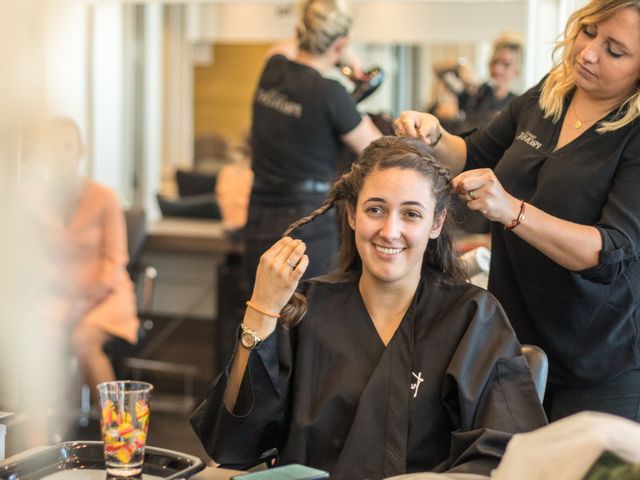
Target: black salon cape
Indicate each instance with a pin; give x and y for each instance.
(445, 394)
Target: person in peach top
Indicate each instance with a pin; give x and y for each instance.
(82, 224)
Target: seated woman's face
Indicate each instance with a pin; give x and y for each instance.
(393, 222)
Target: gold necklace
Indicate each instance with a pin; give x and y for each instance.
(579, 123)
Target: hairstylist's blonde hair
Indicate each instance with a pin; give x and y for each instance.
(321, 23)
(560, 80)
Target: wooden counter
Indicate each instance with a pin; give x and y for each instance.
(190, 235)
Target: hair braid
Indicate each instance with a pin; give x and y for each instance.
(297, 306)
(333, 195)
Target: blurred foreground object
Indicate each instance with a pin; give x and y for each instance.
(573, 448)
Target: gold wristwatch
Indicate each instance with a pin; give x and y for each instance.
(248, 338)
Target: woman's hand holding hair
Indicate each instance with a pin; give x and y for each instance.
(482, 191)
(279, 271)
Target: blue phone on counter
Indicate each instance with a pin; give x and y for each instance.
(286, 472)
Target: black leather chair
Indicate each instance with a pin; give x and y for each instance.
(193, 206)
(195, 199)
(539, 366)
(143, 278)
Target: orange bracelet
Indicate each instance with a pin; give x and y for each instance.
(260, 310)
(518, 220)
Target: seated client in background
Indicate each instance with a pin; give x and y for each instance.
(90, 296)
(398, 365)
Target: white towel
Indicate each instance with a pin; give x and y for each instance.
(568, 448)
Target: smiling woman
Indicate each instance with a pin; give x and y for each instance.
(393, 221)
(398, 365)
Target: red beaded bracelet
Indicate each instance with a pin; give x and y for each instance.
(518, 220)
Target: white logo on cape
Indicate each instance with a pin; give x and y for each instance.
(415, 386)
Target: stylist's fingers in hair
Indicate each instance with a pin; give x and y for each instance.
(470, 180)
(482, 191)
(409, 124)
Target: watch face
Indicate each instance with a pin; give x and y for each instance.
(248, 340)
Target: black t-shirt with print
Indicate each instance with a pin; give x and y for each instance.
(298, 118)
(588, 322)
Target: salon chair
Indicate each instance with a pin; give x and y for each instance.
(143, 278)
(195, 198)
(539, 366)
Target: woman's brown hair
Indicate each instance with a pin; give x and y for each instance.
(382, 154)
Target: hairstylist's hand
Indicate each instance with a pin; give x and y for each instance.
(418, 124)
(482, 191)
(279, 272)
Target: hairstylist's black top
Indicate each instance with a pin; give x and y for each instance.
(588, 322)
(298, 118)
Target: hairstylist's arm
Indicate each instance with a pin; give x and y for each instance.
(571, 245)
(360, 137)
(276, 281)
(450, 150)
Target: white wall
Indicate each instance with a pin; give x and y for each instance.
(375, 22)
(66, 68)
(153, 109)
(543, 29)
(421, 22)
(108, 95)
